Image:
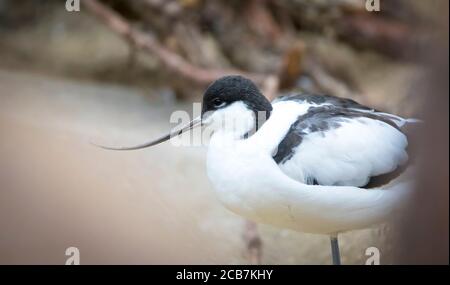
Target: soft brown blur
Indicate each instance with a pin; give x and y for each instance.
(424, 234)
(67, 79)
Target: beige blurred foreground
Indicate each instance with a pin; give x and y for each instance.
(154, 206)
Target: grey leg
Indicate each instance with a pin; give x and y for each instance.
(335, 250)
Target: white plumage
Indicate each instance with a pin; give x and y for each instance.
(250, 183)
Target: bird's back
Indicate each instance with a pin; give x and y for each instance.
(336, 141)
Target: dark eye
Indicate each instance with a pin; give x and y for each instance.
(218, 103)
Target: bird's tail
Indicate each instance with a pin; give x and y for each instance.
(413, 121)
(400, 121)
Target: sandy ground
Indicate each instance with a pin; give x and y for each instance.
(145, 207)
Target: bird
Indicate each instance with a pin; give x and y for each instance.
(312, 163)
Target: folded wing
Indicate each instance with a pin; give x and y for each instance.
(340, 142)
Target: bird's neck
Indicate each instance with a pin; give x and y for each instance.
(237, 122)
(239, 130)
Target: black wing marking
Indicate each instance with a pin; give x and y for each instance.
(319, 119)
(329, 113)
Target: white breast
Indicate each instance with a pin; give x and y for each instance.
(249, 183)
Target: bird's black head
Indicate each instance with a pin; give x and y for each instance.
(231, 89)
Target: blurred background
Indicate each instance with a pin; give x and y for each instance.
(113, 73)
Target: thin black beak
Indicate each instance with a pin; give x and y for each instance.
(194, 123)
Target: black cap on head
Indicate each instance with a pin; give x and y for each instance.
(229, 89)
